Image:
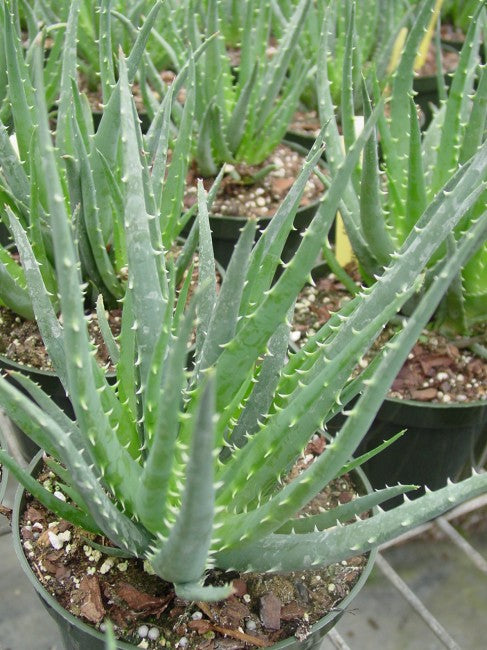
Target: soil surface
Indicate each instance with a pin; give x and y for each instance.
(452, 34)
(245, 198)
(144, 609)
(234, 53)
(450, 60)
(21, 341)
(438, 369)
(95, 97)
(305, 123)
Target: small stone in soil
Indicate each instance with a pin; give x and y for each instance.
(270, 611)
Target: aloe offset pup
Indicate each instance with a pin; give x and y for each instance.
(184, 468)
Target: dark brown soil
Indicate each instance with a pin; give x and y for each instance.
(315, 304)
(451, 34)
(265, 608)
(245, 198)
(305, 123)
(438, 369)
(95, 98)
(234, 53)
(234, 56)
(21, 341)
(449, 58)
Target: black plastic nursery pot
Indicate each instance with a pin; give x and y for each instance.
(458, 44)
(3, 470)
(5, 238)
(440, 441)
(304, 140)
(225, 231)
(50, 383)
(78, 635)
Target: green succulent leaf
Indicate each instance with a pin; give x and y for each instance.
(293, 552)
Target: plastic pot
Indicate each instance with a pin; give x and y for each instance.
(5, 238)
(50, 384)
(226, 231)
(458, 44)
(306, 141)
(426, 89)
(440, 440)
(77, 635)
(3, 470)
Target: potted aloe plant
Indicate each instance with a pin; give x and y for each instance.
(380, 209)
(380, 22)
(456, 16)
(100, 36)
(241, 117)
(51, 75)
(51, 36)
(434, 64)
(91, 181)
(188, 470)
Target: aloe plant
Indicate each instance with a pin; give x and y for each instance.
(459, 12)
(87, 168)
(380, 22)
(94, 27)
(242, 117)
(233, 19)
(52, 33)
(383, 203)
(161, 462)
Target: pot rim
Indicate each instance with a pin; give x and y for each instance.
(4, 479)
(263, 219)
(123, 645)
(301, 210)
